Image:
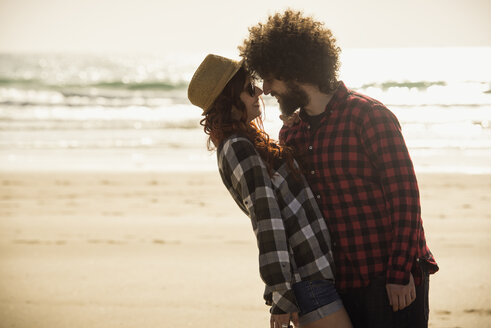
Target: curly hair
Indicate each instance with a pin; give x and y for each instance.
(293, 47)
(220, 123)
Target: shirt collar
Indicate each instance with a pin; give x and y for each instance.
(340, 93)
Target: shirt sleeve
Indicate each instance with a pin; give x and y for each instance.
(384, 144)
(250, 179)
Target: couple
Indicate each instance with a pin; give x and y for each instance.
(335, 205)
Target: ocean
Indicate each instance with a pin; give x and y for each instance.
(67, 112)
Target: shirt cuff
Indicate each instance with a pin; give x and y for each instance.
(268, 296)
(284, 302)
(398, 277)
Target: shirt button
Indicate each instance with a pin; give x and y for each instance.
(318, 196)
(334, 243)
(312, 172)
(308, 126)
(310, 147)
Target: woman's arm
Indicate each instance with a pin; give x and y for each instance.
(248, 177)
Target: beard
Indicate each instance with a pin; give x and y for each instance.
(292, 99)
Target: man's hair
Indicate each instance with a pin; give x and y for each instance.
(293, 47)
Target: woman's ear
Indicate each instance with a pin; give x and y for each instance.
(235, 114)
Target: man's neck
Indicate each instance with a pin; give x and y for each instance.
(318, 100)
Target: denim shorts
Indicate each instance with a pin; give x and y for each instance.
(316, 299)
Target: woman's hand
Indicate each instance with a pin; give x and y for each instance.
(291, 120)
(283, 320)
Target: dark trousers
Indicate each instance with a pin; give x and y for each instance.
(369, 307)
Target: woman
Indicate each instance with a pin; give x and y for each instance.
(295, 259)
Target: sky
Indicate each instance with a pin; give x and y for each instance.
(159, 26)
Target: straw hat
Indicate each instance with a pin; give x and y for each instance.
(210, 79)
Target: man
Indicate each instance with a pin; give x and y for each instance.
(357, 164)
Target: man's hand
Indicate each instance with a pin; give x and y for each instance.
(401, 296)
(283, 320)
(291, 120)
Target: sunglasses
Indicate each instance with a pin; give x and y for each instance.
(250, 89)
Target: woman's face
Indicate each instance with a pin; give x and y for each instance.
(250, 97)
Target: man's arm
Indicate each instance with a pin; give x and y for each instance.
(384, 143)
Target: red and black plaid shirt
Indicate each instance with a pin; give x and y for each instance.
(359, 168)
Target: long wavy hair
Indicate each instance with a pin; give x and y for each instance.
(220, 122)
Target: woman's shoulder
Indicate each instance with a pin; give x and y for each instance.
(235, 143)
(238, 150)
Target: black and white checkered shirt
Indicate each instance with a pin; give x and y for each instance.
(292, 236)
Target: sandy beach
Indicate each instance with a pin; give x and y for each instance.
(173, 250)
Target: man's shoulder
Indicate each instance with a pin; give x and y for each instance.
(344, 97)
(360, 100)
(366, 111)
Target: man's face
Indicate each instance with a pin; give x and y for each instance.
(289, 95)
